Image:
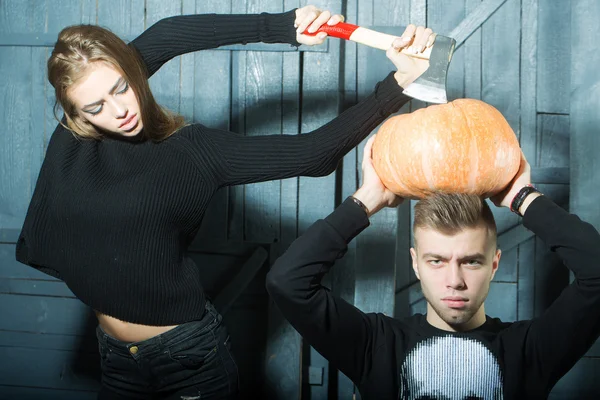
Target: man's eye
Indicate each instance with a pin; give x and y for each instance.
(435, 262)
(473, 262)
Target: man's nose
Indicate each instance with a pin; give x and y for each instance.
(454, 278)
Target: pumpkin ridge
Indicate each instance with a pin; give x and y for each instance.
(393, 171)
(474, 149)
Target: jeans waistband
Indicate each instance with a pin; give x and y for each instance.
(210, 319)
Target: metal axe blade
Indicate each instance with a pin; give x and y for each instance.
(431, 85)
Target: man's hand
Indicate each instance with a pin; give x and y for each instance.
(312, 18)
(521, 179)
(373, 193)
(416, 39)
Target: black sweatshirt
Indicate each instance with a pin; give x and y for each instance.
(113, 218)
(389, 358)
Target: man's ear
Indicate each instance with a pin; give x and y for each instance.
(496, 262)
(415, 266)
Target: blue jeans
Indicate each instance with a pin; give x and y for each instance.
(190, 362)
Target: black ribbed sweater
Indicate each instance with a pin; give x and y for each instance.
(113, 218)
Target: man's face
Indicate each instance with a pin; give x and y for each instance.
(455, 273)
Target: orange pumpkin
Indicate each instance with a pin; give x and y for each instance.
(465, 146)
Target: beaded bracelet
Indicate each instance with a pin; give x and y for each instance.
(519, 198)
(360, 203)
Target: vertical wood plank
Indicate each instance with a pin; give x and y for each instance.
(502, 301)
(528, 133)
(584, 134)
(18, 143)
(316, 196)
(500, 84)
(206, 87)
(418, 16)
(442, 17)
(585, 101)
(472, 55)
(162, 82)
(554, 57)
(125, 18)
(343, 277)
(283, 362)
(235, 217)
(263, 74)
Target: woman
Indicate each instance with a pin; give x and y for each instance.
(124, 186)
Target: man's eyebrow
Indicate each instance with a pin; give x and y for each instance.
(112, 91)
(475, 256)
(433, 255)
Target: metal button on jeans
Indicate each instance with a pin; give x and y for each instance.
(133, 349)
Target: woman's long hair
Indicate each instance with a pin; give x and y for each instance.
(80, 45)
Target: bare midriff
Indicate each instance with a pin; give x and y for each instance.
(127, 331)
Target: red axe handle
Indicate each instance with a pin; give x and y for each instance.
(358, 34)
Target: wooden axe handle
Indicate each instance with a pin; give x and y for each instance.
(365, 36)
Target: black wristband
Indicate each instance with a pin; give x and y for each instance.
(519, 198)
(360, 203)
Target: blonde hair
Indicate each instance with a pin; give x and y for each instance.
(449, 213)
(80, 45)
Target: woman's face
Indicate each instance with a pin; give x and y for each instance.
(103, 98)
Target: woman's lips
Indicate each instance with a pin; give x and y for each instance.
(129, 122)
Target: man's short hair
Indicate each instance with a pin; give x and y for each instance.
(450, 213)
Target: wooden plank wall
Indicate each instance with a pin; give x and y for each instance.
(519, 60)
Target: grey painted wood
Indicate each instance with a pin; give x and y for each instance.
(508, 268)
(526, 280)
(43, 314)
(162, 82)
(283, 349)
(54, 369)
(553, 57)
(472, 54)
(584, 122)
(235, 214)
(20, 145)
(343, 275)
(206, 88)
(527, 137)
(502, 301)
(229, 294)
(443, 17)
(40, 39)
(474, 20)
(320, 104)
(263, 74)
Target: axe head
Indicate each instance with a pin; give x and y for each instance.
(431, 85)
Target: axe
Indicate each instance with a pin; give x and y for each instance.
(431, 85)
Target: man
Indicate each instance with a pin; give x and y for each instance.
(455, 351)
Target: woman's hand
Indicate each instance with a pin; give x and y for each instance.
(416, 39)
(373, 193)
(312, 18)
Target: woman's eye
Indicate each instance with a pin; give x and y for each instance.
(125, 88)
(96, 111)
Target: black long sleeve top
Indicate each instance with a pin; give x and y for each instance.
(389, 358)
(113, 218)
